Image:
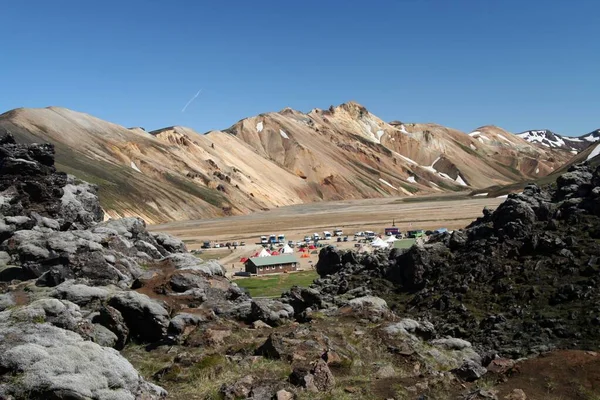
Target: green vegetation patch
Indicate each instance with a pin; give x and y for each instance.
(274, 285)
(211, 196)
(404, 243)
(467, 149)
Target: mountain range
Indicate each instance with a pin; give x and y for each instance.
(282, 158)
(550, 139)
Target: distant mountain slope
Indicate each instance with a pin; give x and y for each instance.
(348, 146)
(162, 177)
(550, 139)
(591, 155)
(275, 159)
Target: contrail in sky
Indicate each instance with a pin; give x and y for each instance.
(192, 99)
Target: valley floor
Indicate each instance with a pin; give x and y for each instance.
(449, 211)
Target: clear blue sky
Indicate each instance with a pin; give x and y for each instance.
(517, 64)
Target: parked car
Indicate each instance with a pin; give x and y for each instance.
(217, 245)
(345, 238)
(415, 234)
(242, 243)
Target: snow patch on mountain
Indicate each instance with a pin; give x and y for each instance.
(594, 153)
(283, 134)
(408, 160)
(543, 137)
(460, 180)
(503, 138)
(259, 127)
(411, 179)
(474, 133)
(387, 183)
(135, 167)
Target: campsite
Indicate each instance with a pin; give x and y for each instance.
(292, 230)
(351, 216)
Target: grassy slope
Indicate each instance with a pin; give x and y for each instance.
(274, 285)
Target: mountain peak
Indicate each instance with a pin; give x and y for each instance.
(352, 107)
(290, 111)
(547, 138)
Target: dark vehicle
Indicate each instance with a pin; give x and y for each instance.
(339, 239)
(206, 245)
(428, 232)
(345, 238)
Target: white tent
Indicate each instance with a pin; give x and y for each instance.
(286, 250)
(264, 253)
(391, 239)
(379, 243)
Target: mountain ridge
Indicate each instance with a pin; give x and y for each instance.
(274, 159)
(548, 138)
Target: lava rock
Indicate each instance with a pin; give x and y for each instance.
(146, 319)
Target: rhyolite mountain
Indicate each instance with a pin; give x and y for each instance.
(275, 159)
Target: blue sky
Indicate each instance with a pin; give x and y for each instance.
(517, 64)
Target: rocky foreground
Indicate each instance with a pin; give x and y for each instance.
(93, 309)
(520, 280)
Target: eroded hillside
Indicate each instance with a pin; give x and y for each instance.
(275, 159)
